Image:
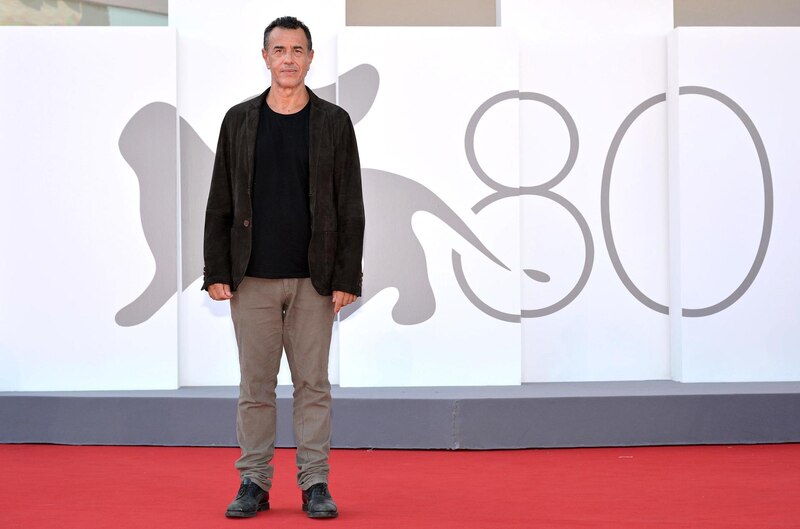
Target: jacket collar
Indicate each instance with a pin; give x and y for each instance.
(254, 105)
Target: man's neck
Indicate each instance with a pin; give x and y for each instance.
(287, 100)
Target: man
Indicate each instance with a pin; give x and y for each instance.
(283, 242)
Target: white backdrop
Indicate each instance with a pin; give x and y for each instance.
(590, 64)
(597, 331)
(74, 247)
(462, 133)
(723, 206)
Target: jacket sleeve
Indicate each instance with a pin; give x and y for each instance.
(347, 276)
(219, 215)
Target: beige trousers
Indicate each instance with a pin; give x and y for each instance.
(270, 315)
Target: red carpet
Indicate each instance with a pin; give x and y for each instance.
(85, 487)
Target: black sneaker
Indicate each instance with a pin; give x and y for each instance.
(249, 500)
(317, 502)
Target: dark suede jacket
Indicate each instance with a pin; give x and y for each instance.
(335, 199)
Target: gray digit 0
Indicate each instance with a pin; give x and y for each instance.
(766, 230)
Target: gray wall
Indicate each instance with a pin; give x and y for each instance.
(422, 13)
(737, 12)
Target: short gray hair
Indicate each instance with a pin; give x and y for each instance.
(287, 23)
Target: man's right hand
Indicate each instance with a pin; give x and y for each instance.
(219, 291)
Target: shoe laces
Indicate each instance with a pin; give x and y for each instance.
(242, 490)
(250, 489)
(319, 488)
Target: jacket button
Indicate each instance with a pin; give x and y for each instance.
(246, 223)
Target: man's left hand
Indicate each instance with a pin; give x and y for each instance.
(342, 299)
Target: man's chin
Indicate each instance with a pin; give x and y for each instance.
(288, 82)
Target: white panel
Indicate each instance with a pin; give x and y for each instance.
(586, 18)
(747, 95)
(673, 200)
(220, 64)
(602, 330)
(75, 251)
(416, 326)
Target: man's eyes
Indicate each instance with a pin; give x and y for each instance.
(280, 51)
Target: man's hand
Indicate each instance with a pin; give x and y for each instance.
(342, 299)
(219, 291)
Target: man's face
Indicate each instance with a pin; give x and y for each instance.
(288, 57)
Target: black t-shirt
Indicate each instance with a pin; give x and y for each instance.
(281, 220)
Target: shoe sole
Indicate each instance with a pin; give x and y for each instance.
(323, 514)
(242, 514)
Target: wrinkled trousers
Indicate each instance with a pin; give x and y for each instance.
(270, 315)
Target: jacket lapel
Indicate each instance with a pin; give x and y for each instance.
(250, 133)
(316, 122)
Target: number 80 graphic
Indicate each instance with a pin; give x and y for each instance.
(545, 191)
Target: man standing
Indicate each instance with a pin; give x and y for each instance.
(283, 242)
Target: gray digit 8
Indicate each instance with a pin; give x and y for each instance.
(541, 190)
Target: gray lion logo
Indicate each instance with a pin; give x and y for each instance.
(148, 145)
